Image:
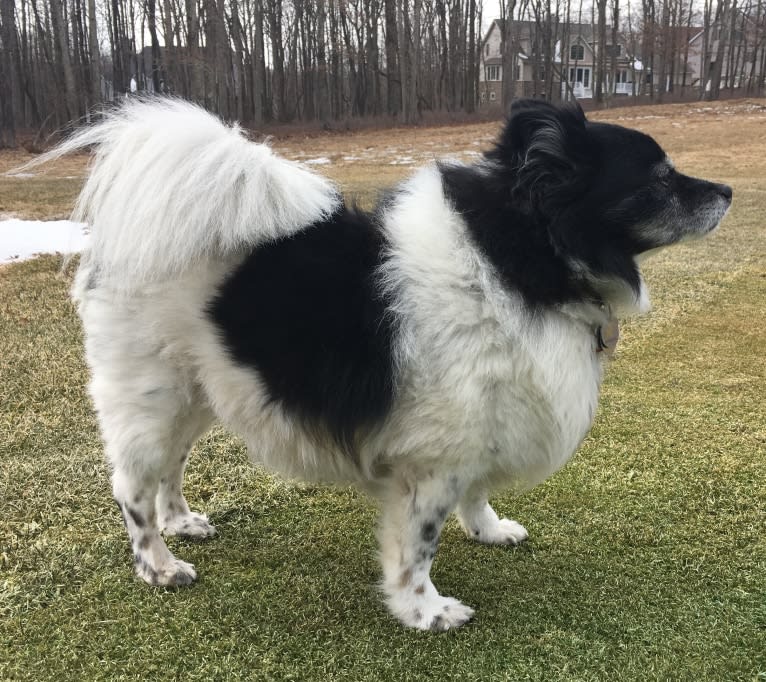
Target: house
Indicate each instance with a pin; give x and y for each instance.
(681, 69)
(743, 53)
(569, 49)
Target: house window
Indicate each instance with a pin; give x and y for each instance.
(486, 50)
(580, 75)
(614, 50)
(576, 53)
(518, 72)
(493, 73)
(622, 76)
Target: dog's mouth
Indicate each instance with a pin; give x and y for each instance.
(709, 219)
(703, 223)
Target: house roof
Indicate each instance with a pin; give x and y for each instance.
(586, 31)
(577, 33)
(579, 30)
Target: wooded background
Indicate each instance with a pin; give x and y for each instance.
(262, 61)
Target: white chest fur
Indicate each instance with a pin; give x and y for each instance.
(486, 384)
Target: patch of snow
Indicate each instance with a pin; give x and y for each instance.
(321, 161)
(402, 161)
(20, 175)
(24, 239)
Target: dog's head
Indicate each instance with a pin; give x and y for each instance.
(606, 194)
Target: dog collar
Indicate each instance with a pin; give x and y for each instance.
(607, 336)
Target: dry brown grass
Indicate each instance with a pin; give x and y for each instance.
(49, 194)
(724, 140)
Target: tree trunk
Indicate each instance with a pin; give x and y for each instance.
(259, 66)
(277, 60)
(240, 78)
(95, 56)
(471, 59)
(7, 74)
(393, 80)
(601, 54)
(509, 51)
(322, 94)
(717, 67)
(151, 17)
(72, 95)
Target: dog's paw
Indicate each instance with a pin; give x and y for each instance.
(430, 611)
(190, 525)
(504, 532)
(173, 573)
(441, 614)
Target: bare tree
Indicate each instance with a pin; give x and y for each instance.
(324, 60)
(510, 51)
(8, 77)
(716, 69)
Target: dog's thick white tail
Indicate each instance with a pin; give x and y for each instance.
(171, 186)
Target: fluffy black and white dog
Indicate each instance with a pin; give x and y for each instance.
(441, 347)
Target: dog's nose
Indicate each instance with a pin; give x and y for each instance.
(724, 191)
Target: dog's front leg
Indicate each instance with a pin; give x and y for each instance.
(414, 510)
(482, 524)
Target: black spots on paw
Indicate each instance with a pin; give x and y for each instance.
(448, 619)
(122, 513)
(136, 517)
(438, 624)
(145, 571)
(182, 578)
(428, 531)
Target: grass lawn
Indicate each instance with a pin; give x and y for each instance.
(647, 555)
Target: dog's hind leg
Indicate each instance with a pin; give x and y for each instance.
(481, 523)
(175, 517)
(143, 407)
(414, 510)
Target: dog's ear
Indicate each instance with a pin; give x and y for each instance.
(545, 149)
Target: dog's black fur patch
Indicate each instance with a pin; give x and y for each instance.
(517, 244)
(307, 314)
